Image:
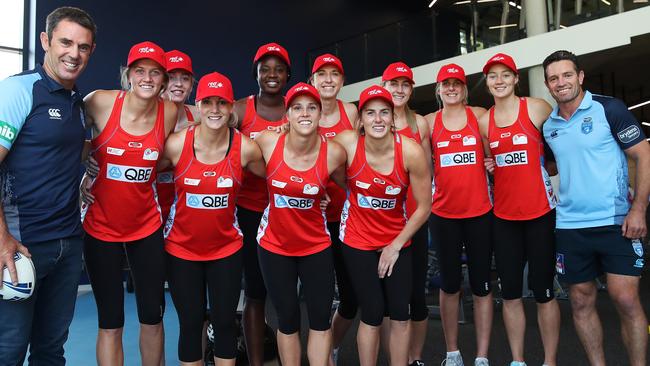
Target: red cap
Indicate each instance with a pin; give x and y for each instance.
(503, 59)
(325, 60)
(215, 85)
(451, 71)
(177, 60)
(374, 92)
(301, 89)
(272, 49)
(398, 70)
(148, 50)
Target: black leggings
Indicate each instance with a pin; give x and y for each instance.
(105, 266)
(476, 234)
(516, 242)
(187, 284)
(348, 304)
(249, 222)
(373, 292)
(420, 262)
(316, 273)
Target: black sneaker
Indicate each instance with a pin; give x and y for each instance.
(417, 363)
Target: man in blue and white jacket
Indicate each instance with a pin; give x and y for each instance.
(599, 230)
(41, 142)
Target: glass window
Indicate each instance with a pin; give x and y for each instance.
(11, 37)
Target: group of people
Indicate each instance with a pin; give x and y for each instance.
(279, 188)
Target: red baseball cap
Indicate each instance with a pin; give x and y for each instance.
(215, 85)
(398, 70)
(177, 60)
(301, 89)
(503, 59)
(148, 50)
(451, 71)
(272, 49)
(325, 60)
(375, 92)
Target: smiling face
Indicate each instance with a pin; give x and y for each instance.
(303, 115)
(180, 86)
(501, 81)
(377, 118)
(215, 112)
(328, 80)
(147, 78)
(67, 53)
(452, 91)
(400, 89)
(564, 81)
(272, 74)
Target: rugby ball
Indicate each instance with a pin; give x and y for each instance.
(26, 280)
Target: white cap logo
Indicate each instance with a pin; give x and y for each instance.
(176, 59)
(301, 88)
(452, 70)
(401, 69)
(215, 84)
(328, 59)
(498, 58)
(145, 50)
(272, 48)
(375, 92)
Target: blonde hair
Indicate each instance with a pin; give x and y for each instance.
(125, 84)
(233, 120)
(439, 100)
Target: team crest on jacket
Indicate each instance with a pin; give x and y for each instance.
(587, 125)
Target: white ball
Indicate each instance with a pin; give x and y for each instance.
(26, 280)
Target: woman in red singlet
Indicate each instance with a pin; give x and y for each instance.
(293, 239)
(381, 166)
(327, 77)
(524, 206)
(262, 111)
(461, 211)
(181, 81)
(398, 80)
(203, 240)
(124, 221)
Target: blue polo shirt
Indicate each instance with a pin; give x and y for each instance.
(588, 150)
(42, 126)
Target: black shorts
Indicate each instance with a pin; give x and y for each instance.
(584, 254)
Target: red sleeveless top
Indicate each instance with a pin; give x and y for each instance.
(253, 194)
(461, 182)
(125, 207)
(336, 193)
(411, 205)
(293, 223)
(374, 212)
(522, 188)
(165, 181)
(202, 224)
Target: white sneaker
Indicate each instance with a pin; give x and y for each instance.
(453, 360)
(517, 363)
(481, 361)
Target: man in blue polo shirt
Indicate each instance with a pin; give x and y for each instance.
(598, 229)
(41, 142)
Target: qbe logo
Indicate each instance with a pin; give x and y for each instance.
(207, 201)
(375, 203)
(129, 174)
(282, 201)
(460, 158)
(512, 158)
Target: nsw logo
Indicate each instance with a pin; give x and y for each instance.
(55, 113)
(559, 263)
(638, 247)
(310, 189)
(587, 125)
(165, 178)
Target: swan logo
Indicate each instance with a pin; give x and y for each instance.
(224, 182)
(273, 48)
(453, 70)
(309, 189)
(401, 69)
(498, 58)
(375, 92)
(215, 85)
(328, 59)
(176, 59)
(146, 50)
